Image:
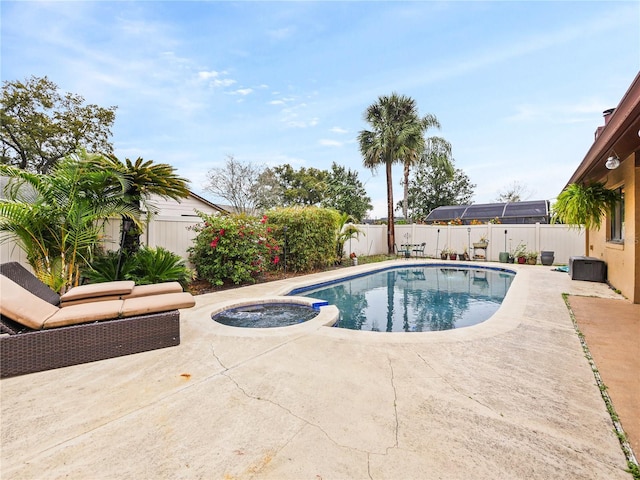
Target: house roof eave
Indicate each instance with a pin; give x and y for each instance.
(621, 134)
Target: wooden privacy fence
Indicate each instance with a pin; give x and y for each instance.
(174, 234)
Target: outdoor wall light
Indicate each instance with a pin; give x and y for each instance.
(612, 162)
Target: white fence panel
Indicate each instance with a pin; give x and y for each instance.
(172, 233)
(372, 241)
(175, 234)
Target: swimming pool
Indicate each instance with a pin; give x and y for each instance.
(415, 299)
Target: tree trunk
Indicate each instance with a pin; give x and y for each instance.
(391, 234)
(405, 199)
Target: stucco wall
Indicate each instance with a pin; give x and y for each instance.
(623, 271)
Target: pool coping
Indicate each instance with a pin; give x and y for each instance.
(506, 318)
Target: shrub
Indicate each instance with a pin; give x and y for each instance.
(234, 248)
(311, 236)
(147, 265)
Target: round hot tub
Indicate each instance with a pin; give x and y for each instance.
(269, 313)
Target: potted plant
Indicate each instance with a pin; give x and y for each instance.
(482, 243)
(452, 255)
(532, 258)
(444, 254)
(586, 205)
(464, 255)
(520, 253)
(354, 258)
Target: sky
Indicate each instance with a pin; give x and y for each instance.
(518, 87)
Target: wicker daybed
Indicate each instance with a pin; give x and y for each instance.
(39, 335)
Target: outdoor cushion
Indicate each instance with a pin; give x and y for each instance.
(156, 303)
(84, 313)
(104, 289)
(153, 289)
(23, 306)
(136, 291)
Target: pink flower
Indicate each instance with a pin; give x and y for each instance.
(222, 232)
(264, 219)
(276, 260)
(215, 241)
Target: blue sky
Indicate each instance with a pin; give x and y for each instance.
(519, 87)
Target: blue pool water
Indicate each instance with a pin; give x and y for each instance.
(415, 299)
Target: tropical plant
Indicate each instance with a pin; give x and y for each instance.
(344, 232)
(396, 136)
(143, 179)
(584, 204)
(146, 266)
(57, 219)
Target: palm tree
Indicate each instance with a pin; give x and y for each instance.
(144, 178)
(57, 218)
(396, 136)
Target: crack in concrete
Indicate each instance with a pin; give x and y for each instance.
(302, 419)
(226, 372)
(455, 388)
(395, 406)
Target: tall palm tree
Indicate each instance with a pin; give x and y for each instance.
(57, 218)
(396, 136)
(144, 178)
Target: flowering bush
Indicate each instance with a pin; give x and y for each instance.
(234, 248)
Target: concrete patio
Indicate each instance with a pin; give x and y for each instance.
(511, 398)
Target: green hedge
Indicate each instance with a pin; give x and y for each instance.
(311, 236)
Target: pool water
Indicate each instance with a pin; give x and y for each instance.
(416, 299)
(266, 315)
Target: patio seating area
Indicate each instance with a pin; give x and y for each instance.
(43, 330)
(512, 398)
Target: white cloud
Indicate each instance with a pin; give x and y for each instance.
(338, 130)
(242, 91)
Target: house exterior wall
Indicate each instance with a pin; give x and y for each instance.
(622, 259)
(186, 207)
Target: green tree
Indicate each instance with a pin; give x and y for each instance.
(143, 179)
(303, 187)
(40, 125)
(396, 137)
(346, 193)
(433, 185)
(435, 144)
(57, 219)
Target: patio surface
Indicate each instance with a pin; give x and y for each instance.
(511, 398)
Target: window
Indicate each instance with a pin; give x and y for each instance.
(616, 226)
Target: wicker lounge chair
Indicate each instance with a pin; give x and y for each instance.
(38, 335)
(84, 293)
